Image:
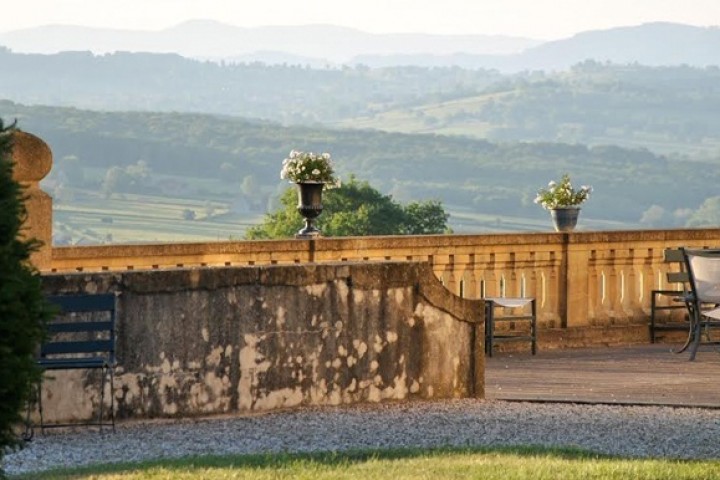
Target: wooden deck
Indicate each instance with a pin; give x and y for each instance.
(644, 374)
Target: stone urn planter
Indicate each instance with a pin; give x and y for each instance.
(564, 218)
(309, 206)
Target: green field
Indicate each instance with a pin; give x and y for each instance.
(90, 218)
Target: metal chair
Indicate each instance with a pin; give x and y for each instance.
(677, 297)
(80, 342)
(703, 267)
(491, 337)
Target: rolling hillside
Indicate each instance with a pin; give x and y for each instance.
(232, 166)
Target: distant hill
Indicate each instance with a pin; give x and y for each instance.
(169, 82)
(209, 39)
(671, 110)
(652, 44)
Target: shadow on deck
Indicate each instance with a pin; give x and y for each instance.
(641, 374)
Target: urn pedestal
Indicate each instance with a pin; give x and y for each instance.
(310, 207)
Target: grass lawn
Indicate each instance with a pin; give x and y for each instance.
(486, 464)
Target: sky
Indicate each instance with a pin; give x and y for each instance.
(539, 19)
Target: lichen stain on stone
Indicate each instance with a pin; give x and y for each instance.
(400, 388)
(212, 394)
(60, 395)
(232, 297)
(414, 387)
(205, 334)
(342, 290)
(165, 367)
(374, 394)
(317, 290)
(280, 317)
(285, 397)
(358, 297)
(335, 398)
(456, 368)
(360, 347)
(379, 344)
(252, 363)
(194, 278)
(167, 383)
(215, 356)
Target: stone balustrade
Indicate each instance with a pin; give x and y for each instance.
(579, 279)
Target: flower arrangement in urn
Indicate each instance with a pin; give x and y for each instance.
(563, 201)
(311, 173)
(309, 167)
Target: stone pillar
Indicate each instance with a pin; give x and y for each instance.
(33, 161)
(578, 259)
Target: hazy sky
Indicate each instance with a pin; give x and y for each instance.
(542, 19)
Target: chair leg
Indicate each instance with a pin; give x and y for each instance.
(533, 326)
(652, 317)
(102, 398)
(112, 399)
(697, 329)
(489, 327)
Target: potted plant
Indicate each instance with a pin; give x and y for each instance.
(564, 202)
(311, 173)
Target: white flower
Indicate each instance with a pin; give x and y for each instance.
(309, 167)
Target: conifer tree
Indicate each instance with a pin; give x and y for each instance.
(23, 309)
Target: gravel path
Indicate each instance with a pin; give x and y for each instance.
(623, 430)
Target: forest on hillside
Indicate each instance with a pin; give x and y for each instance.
(163, 153)
(646, 138)
(669, 110)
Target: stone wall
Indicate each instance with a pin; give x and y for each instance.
(213, 340)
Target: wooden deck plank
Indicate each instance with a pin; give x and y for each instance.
(643, 374)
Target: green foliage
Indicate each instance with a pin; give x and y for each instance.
(23, 310)
(355, 209)
(562, 194)
(498, 463)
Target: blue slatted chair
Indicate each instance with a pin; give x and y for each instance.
(82, 337)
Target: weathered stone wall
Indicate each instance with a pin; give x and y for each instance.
(212, 340)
